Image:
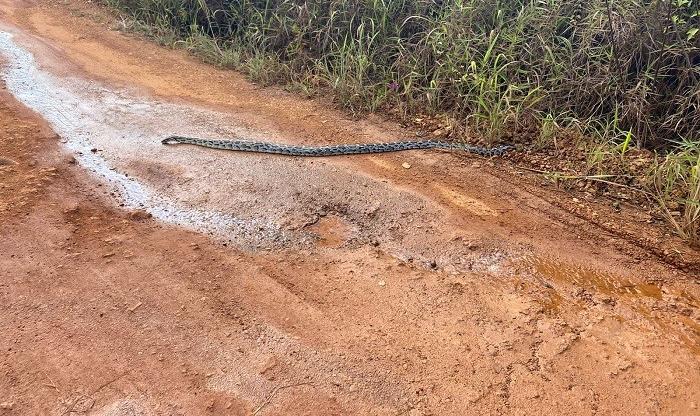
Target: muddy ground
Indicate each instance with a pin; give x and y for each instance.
(137, 278)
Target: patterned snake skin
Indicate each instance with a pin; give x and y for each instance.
(334, 150)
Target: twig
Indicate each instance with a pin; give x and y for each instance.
(101, 386)
(53, 383)
(613, 41)
(272, 394)
(596, 178)
(133, 308)
(70, 409)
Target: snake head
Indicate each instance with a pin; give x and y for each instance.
(170, 140)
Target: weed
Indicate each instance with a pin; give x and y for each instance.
(677, 188)
(625, 73)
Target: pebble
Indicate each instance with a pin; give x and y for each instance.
(382, 283)
(140, 215)
(406, 165)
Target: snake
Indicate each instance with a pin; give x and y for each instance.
(335, 150)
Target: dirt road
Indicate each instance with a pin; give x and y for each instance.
(141, 279)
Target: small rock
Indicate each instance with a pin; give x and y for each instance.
(433, 264)
(608, 301)
(140, 215)
(406, 165)
(382, 283)
(7, 405)
(93, 150)
(210, 405)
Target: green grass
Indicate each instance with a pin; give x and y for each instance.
(677, 188)
(623, 73)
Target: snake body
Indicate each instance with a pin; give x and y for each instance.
(333, 150)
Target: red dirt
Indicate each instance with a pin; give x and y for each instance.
(561, 306)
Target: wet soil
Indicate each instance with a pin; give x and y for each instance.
(137, 278)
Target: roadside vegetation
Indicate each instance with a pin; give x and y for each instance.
(614, 79)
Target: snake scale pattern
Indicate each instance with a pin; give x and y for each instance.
(334, 150)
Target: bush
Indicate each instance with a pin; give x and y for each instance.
(609, 67)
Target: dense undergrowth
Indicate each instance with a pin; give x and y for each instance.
(623, 73)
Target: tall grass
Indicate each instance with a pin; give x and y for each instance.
(677, 186)
(496, 62)
(624, 71)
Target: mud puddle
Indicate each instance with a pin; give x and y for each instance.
(250, 200)
(93, 121)
(579, 285)
(605, 283)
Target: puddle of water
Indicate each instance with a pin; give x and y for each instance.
(601, 282)
(553, 302)
(85, 113)
(681, 328)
